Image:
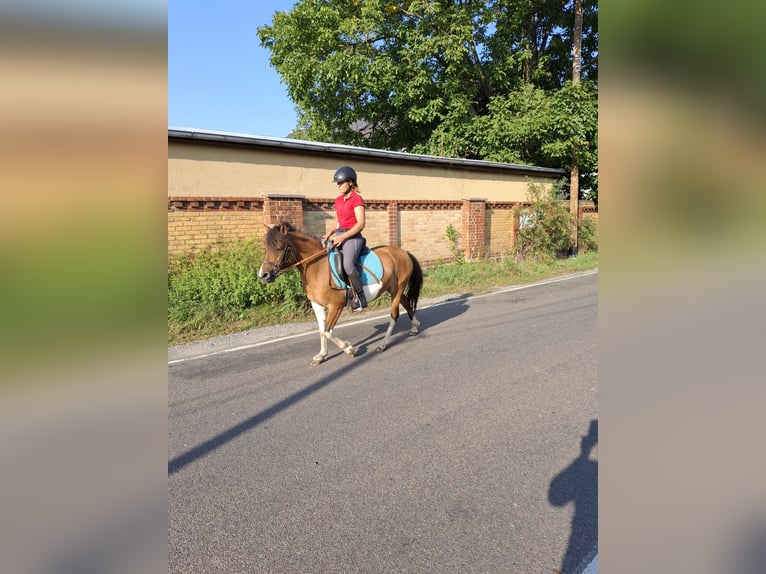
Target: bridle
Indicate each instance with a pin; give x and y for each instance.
(276, 268)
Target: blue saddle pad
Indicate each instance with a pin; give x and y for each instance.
(369, 265)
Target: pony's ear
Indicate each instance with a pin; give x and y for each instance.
(268, 227)
(284, 227)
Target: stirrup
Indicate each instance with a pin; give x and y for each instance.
(351, 299)
(356, 302)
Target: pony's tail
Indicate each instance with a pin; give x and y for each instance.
(415, 283)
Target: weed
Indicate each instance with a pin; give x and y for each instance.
(454, 242)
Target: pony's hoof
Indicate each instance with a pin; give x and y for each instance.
(413, 333)
(381, 348)
(351, 351)
(318, 360)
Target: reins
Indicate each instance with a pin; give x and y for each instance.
(303, 261)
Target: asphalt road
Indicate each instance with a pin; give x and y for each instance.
(469, 448)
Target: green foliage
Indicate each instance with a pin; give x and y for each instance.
(480, 80)
(587, 234)
(478, 276)
(545, 230)
(196, 283)
(454, 242)
(219, 284)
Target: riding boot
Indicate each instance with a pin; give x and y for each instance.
(356, 282)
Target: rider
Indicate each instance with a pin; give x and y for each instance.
(349, 214)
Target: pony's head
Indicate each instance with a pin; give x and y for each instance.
(279, 251)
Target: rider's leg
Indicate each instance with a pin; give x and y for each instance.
(351, 249)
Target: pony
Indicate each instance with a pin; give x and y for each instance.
(287, 247)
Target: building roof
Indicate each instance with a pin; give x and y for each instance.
(240, 139)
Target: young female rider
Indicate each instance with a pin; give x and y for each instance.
(349, 215)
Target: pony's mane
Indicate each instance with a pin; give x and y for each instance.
(281, 232)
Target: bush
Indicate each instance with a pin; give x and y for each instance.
(587, 235)
(545, 230)
(220, 284)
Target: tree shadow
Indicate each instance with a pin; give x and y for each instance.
(432, 315)
(578, 483)
(199, 451)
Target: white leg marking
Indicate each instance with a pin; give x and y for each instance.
(414, 324)
(384, 345)
(321, 316)
(344, 346)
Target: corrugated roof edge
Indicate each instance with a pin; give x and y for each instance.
(347, 150)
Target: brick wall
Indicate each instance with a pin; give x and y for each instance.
(419, 226)
(501, 228)
(473, 229)
(194, 223)
(423, 229)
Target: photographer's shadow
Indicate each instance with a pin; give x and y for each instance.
(578, 483)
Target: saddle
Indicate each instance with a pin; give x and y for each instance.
(369, 265)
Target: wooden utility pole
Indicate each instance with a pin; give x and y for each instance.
(574, 175)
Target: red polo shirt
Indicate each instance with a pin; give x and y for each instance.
(344, 209)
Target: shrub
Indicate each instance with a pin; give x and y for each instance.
(545, 229)
(220, 284)
(587, 235)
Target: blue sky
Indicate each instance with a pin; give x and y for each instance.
(219, 77)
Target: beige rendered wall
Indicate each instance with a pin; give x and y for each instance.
(208, 170)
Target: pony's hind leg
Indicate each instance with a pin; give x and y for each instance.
(414, 323)
(391, 324)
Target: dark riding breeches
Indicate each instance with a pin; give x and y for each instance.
(351, 248)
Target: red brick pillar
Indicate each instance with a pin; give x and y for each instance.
(474, 221)
(393, 223)
(278, 208)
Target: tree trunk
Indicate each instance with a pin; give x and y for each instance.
(574, 175)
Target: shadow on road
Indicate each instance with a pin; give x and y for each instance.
(578, 483)
(428, 317)
(202, 449)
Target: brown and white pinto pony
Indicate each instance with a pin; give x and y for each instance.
(287, 247)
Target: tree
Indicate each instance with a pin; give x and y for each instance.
(456, 78)
(574, 177)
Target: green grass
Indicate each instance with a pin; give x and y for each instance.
(216, 291)
(484, 276)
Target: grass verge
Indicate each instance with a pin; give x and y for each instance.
(194, 315)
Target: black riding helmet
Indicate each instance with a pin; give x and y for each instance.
(344, 173)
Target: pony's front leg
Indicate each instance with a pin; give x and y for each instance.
(333, 314)
(319, 311)
(324, 335)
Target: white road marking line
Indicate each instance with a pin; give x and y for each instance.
(377, 317)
